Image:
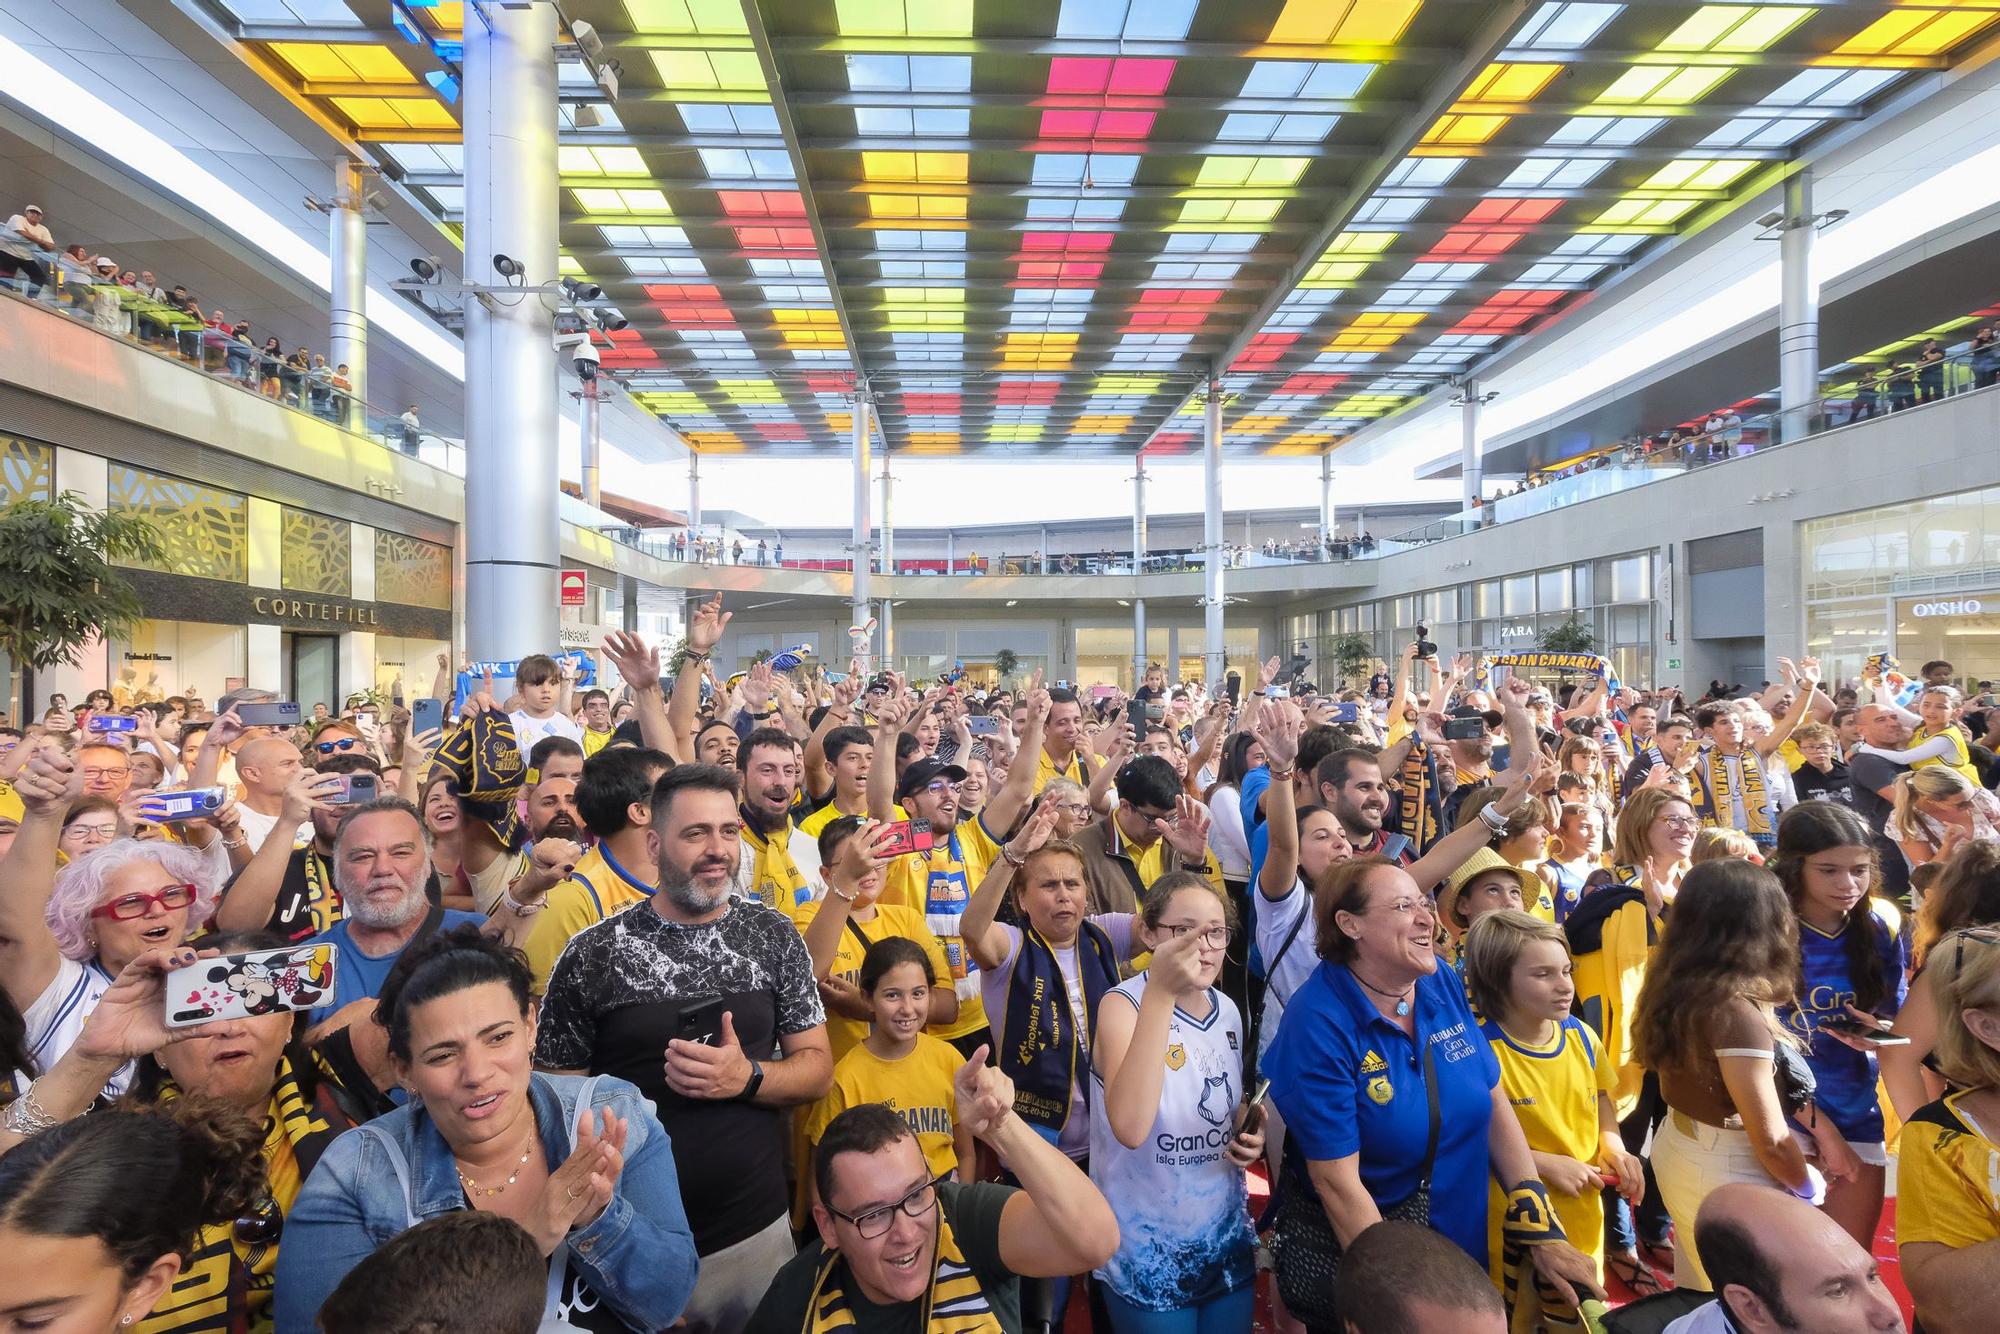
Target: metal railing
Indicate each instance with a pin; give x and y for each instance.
(1898, 387)
(118, 306)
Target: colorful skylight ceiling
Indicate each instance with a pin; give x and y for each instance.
(1046, 221)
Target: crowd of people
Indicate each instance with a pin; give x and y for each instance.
(794, 1000)
(132, 302)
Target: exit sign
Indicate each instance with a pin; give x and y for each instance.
(1673, 664)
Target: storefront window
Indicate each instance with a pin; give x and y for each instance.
(408, 665)
(411, 571)
(316, 553)
(1104, 655)
(163, 658)
(206, 531)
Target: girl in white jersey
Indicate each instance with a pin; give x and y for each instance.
(1169, 1136)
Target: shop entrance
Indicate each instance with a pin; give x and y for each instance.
(312, 668)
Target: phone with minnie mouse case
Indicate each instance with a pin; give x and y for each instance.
(243, 986)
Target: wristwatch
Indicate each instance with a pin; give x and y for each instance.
(756, 1081)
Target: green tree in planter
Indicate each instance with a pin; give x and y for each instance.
(1006, 663)
(1572, 636)
(59, 587)
(1353, 653)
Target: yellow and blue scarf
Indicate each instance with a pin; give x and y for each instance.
(953, 1304)
(1043, 1051)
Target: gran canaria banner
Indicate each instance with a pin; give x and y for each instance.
(1594, 663)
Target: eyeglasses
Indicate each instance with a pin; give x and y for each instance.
(1680, 822)
(261, 1225)
(345, 743)
(1401, 907)
(875, 1222)
(131, 906)
(99, 775)
(1985, 935)
(1215, 937)
(937, 787)
(106, 832)
(1075, 809)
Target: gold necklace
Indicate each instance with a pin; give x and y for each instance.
(483, 1193)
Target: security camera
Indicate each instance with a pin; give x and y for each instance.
(581, 291)
(507, 267)
(612, 321)
(583, 359)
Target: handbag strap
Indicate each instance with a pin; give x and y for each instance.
(1271, 968)
(397, 1164)
(1431, 1096)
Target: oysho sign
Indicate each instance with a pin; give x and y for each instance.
(1956, 607)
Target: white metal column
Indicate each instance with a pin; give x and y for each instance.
(347, 248)
(587, 441)
(513, 551)
(1214, 652)
(864, 647)
(1328, 525)
(1472, 467)
(888, 540)
(1138, 570)
(1798, 310)
(694, 494)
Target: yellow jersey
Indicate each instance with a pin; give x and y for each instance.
(1947, 1178)
(938, 884)
(917, 1088)
(1961, 756)
(1046, 771)
(595, 741)
(844, 1034)
(813, 824)
(1554, 1090)
(597, 888)
(775, 878)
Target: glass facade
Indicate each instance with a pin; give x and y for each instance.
(1613, 598)
(1920, 579)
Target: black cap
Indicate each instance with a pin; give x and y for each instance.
(883, 682)
(922, 773)
(1492, 717)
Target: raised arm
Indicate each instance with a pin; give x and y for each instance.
(28, 954)
(215, 743)
(441, 684)
(640, 668)
(1278, 733)
(247, 903)
(819, 779)
(882, 773)
(1448, 853)
(1806, 674)
(1118, 742)
(988, 942)
(1004, 806)
(704, 632)
(1058, 1223)
(1130, 1045)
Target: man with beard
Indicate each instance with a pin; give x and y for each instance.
(781, 863)
(551, 817)
(1350, 785)
(723, 988)
(295, 891)
(1472, 759)
(381, 864)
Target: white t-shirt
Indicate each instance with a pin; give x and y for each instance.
(528, 732)
(1707, 1318)
(55, 1018)
(1274, 924)
(257, 826)
(35, 231)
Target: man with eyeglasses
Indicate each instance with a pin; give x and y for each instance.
(896, 1244)
(1472, 758)
(1155, 828)
(107, 770)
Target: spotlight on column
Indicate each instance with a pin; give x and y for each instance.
(607, 76)
(507, 267)
(586, 116)
(587, 40)
(581, 291)
(428, 269)
(611, 321)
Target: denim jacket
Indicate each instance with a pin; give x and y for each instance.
(638, 1255)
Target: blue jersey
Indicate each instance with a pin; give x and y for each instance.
(1845, 1076)
(1569, 887)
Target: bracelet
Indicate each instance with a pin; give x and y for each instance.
(1012, 858)
(1492, 819)
(522, 909)
(1283, 775)
(26, 1117)
(233, 845)
(835, 890)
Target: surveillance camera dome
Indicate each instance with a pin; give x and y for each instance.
(584, 361)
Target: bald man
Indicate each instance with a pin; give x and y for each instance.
(1781, 1266)
(265, 767)
(1403, 1278)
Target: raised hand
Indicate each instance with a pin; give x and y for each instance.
(50, 783)
(1275, 733)
(1036, 831)
(578, 1191)
(1188, 833)
(130, 1018)
(985, 1096)
(705, 627)
(757, 687)
(636, 663)
(1176, 964)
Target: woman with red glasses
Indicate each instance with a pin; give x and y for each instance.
(65, 936)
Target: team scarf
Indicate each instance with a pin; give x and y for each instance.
(1044, 1053)
(1714, 799)
(954, 1303)
(216, 1266)
(1419, 801)
(1595, 664)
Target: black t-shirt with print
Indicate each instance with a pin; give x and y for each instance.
(1833, 785)
(614, 1000)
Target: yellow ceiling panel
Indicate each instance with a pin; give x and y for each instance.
(394, 113)
(1365, 22)
(323, 62)
(1916, 32)
(705, 17)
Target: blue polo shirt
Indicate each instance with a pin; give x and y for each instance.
(1252, 790)
(1349, 1081)
(357, 976)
